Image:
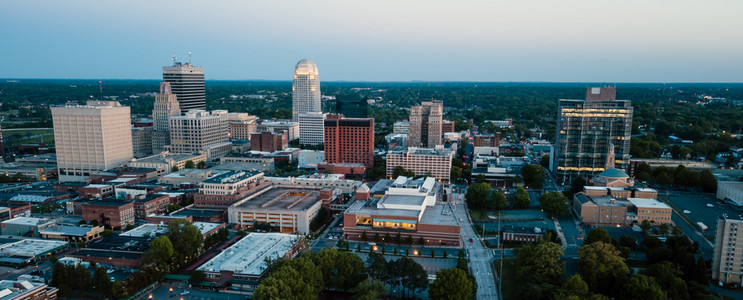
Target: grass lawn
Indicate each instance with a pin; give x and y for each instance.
(477, 214)
(508, 278)
(18, 136)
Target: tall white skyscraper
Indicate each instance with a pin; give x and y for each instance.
(91, 138)
(305, 89)
(187, 82)
(166, 106)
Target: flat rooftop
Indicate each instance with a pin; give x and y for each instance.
(648, 203)
(153, 230)
(163, 159)
(10, 289)
(402, 200)
(439, 214)
(232, 177)
(204, 213)
(67, 230)
(29, 221)
(282, 198)
(248, 255)
(30, 247)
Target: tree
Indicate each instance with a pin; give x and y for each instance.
(407, 273)
(477, 194)
(160, 251)
(421, 241)
(645, 225)
(401, 171)
(186, 238)
(201, 165)
(644, 168)
(364, 237)
(285, 283)
(521, 198)
(340, 270)
(533, 175)
(197, 276)
(101, 283)
(369, 290)
(576, 286)
(190, 164)
(663, 228)
(667, 274)
(707, 181)
(377, 266)
(602, 267)
(455, 172)
(480, 178)
(451, 284)
(598, 234)
(553, 203)
(627, 241)
(577, 185)
(663, 179)
(174, 169)
(545, 161)
(643, 287)
(497, 200)
(539, 263)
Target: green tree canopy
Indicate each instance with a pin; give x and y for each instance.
(707, 181)
(190, 164)
(545, 161)
(451, 284)
(341, 270)
(598, 234)
(539, 263)
(533, 175)
(186, 238)
(553, 203)
(521, 198)
(643, 287)
(602, 267)
(369, 290)
(476, 195)
(496, 199)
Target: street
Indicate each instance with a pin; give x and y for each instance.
(480, 257)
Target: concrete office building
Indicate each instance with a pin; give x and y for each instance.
(91, 138)
(410, 208)
(165, 107)
(401, 127)
(592, 134)
(305, 89)
(241, 125)
(24, 289)
(422, 161)
(352, 105)
(187, 83)
(727, 264)
(278, 126)
(288, 209)
(200, 132)
(425, 124)
(142, 140)
(308, 159)
(349, 140)
(311, 128)
(223, 190)
(164, 162)
(730, 192)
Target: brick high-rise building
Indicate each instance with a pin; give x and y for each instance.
(269, 141)
(447, 126)
(241, 125)
(91, 138)
(425, 124)
(349, 140)
(592, 134)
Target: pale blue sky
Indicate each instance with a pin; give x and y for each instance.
(524, 40)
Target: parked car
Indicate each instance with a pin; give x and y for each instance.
(687, 211)
(710, 205)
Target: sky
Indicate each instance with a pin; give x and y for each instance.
(378, 40)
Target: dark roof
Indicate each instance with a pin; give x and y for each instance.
(197, 212)
(104, 253)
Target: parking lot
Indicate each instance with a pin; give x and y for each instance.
(697, 210)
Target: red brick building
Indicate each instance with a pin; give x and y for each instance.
(349, 140)
(347, 169)
(447, 126)
(150, 204)
(487, 140)
(269, 141)
(109, 212)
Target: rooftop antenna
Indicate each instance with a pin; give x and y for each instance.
(100, 87)
(189, 57)
(174, 60)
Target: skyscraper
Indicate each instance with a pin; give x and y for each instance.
(305, 89)
(425, 124)
(165, 107)
(311, 128)
(186, 82)
(349, 140)
(351, 105)
(589, 131)
(91, 138)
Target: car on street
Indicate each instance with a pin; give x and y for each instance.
(186, 292)
(687, 211)
(470, 240)
(710, 205)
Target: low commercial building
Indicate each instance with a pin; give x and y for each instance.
(72, 234)
(345, 186)
(188, 176)
(224, 190)
(434, 162)
(341, 168)
(651, 210)
(487, 140)
(109, 212)
(521, 234)
(115, 251)
(164, 161)
(730, 192)
(155, 230)
(96, 191)
(498, 170)
(410, 208)
(241, 125)
(292, 128)
(269, 141)
(145, 205)
(308, 159)
(290, 210)
(25, 226)
(727, 263)
(607, 210)
(26, 290)
(248, 259)
(24, 252)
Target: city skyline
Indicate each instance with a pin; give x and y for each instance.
(569, 41)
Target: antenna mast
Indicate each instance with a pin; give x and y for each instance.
(174, 60)
(189, 57)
